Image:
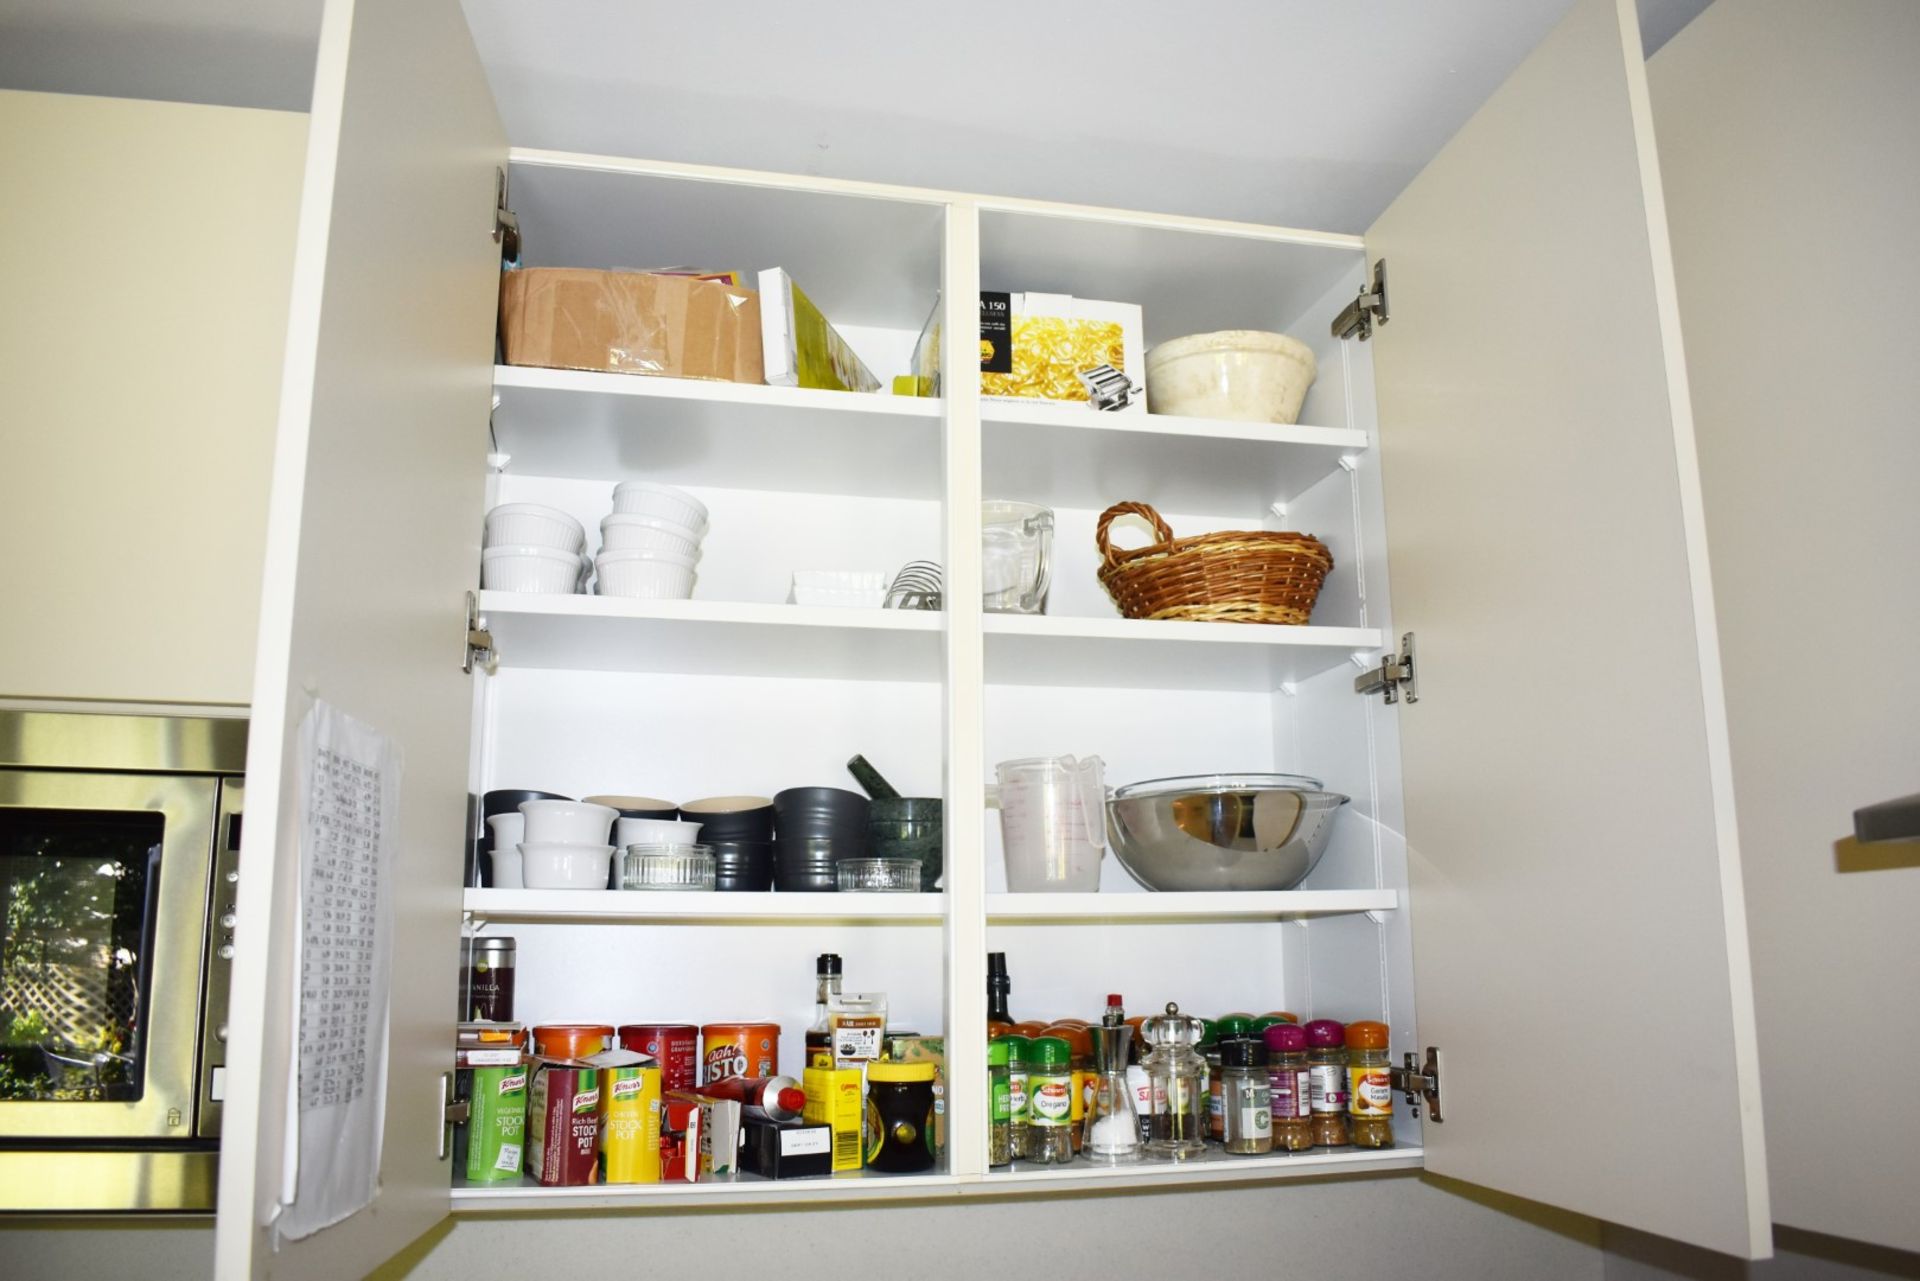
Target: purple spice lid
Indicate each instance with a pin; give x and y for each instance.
(1324, 1034)
(1286, 1038)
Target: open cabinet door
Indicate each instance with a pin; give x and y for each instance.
(1579, 930)
(373, 537)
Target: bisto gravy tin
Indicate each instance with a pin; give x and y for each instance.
(739, 1049)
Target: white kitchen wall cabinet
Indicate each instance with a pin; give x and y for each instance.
(138, 389)
(1539, 858)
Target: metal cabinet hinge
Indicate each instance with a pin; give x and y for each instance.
(453, 1111)
(1420, 1083)
(479, 648)
(1394, 678)
(1366, 311)
(506, 226)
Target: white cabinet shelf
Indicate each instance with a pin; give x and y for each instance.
(612, 427)
(707, 638)
(699, 905)
(1214, 1166)
(1228, 905)
(1080, 458)
(1137, 653)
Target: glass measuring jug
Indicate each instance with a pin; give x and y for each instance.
(1052, 822)
(1016, 545)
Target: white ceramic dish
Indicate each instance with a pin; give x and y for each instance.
(507, 871)
(534, 525)
(839, 588)
(507, 830)
(649, 498)
(1242, 375)
(567, 822)
(565, 867)
(641, 573)
(544, 570)
(654, 831)
(622, 533)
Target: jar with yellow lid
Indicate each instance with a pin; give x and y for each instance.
(900, 1137)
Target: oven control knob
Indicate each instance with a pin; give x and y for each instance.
(226, 951)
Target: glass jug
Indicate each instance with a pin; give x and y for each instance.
(1052, 822)
(1016, 545)
(1177, 1078)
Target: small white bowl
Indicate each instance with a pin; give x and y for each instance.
(507, 870)
(643, 574)
(621, 533)
(565, 867)
(533, 525)
(508, 830)
(545, 570)
(654, 831)
(649, 498)
(567, 822)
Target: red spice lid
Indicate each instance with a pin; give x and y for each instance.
(1324, 1034)
(1286, 1038)
(1366, 1035)
(790, 1099)
(571, 1040)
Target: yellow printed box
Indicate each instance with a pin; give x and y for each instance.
(1058, 349)
(834, 1099)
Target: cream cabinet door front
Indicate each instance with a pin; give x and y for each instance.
(373, 537)
(1579, 930)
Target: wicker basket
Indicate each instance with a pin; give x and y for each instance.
(1235, 576)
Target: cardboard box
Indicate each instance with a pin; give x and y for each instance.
(786, 1150)
(1046, 348)
(835, 1100)
(700, 1140)
(630, 322)
(799, 347)
(563, 1123)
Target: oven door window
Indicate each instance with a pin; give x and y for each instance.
(78, 900)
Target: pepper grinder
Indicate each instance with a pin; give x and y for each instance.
(1177, 1078)
(1112, 1133)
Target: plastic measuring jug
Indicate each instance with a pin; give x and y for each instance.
(1053, 822)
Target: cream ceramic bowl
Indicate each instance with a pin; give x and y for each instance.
(1242, 375)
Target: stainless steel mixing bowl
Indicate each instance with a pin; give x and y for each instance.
(1222, 831)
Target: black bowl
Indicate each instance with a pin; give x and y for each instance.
(819, 811)
(818, 852)
(822, 880)
(731, 818)
(504, 800)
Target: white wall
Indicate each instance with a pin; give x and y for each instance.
(1339, 1230)
(1789, 137)
(146, 253)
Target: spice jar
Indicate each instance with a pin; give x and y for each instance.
(999, 1105)
(1050, 1102)
(1079, 1038)
(1019, 1095)
(1288, 1087)
(1370, 1082)
(1176, 1077)
(486, 979)
(1327, 1082)
(1249, 1107)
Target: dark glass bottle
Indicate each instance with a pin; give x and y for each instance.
(999, 1021)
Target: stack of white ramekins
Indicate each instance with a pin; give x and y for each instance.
(563, 845)
(651, 542)
(530, 548)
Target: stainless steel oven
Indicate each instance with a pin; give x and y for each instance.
(119, 842)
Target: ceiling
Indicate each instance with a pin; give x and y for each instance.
(1252, 109)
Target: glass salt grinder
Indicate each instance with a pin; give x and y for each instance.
(1177, 1078)
(1112, 1134)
